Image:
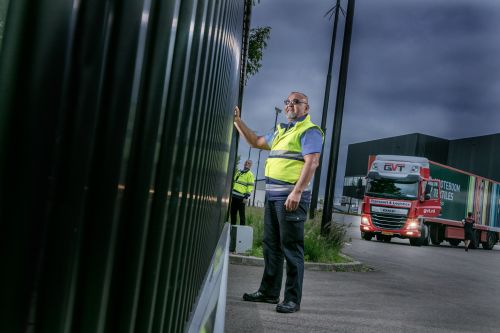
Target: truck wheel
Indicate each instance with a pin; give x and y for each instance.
(423, 239)
(366, 236)
(454, 242)
(425, 235)
(415, 242)
(491, 240)
(434, 231)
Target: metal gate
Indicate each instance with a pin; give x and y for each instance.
(115, 159)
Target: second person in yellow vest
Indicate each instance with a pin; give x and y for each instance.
(242, 188)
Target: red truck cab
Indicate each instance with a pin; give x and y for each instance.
(399, 196)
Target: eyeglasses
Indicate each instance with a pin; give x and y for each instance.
(293, 102)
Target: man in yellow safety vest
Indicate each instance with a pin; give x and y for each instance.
(243, 186)
(295, 148)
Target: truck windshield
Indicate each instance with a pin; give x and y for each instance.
(389, 188)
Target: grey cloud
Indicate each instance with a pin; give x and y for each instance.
(415, 66)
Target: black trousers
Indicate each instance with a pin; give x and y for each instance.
(283, 238)
(237, 205)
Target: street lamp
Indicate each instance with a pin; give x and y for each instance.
(277, 110)
(250, 147)
(256, 178)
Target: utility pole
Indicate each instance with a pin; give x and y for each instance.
(235, 139)
(317, 175)
(337, 125)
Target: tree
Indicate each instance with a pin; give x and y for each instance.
(256, 45)
(3, 13)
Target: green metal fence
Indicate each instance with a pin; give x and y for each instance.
(115, 159)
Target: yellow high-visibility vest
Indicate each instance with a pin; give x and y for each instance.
(243, 183)
(285, 161)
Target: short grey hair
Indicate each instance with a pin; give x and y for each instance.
(300, 93)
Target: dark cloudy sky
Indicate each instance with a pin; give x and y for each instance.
(426, 66)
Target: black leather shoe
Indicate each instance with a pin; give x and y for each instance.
(288, 307)
(260, 297)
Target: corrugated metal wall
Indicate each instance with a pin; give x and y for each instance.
(115, 137)
(478, 155)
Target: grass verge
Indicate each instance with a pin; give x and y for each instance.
(317, 248)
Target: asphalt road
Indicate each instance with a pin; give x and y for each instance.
(411, 289)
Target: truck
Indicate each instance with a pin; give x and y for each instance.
(426, 202)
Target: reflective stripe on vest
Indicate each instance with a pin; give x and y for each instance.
(286, 154)
(279, 188)
(285, 160)
(238, 194)
(243, 183)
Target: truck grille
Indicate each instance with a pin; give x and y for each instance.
(387, 221)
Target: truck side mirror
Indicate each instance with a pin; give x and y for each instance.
(359, 189)
(428, 189)
(425, 189)
(427, 192)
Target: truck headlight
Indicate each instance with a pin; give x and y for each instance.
(412, 224)
(365, 221)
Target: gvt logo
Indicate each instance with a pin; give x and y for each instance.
(393, 167)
